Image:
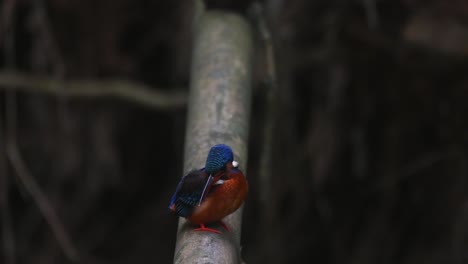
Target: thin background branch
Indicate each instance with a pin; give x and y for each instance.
(19, 166)
(43, 203)
(125, 90)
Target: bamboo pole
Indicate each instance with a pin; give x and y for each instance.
(219, 111)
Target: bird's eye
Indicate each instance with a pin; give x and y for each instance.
(235, 164)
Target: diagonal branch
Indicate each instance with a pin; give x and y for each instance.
(41, 200)
(8, 236)
(134, 92)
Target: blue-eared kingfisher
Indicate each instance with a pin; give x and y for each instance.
(209, 194)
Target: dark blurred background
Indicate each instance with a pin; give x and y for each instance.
(367, 161)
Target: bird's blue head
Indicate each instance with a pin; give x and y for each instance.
(218, 157)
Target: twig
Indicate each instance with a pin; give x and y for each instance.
(45, 40)
(413, 169)
(371, 13)
(41, 200)
(47, 52)
(7, 13)
(125, 90)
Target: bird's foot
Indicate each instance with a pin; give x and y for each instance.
(225, 226)
(204, 228)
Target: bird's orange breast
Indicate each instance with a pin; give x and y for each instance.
(222, 200)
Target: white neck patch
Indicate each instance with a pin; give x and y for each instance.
(219, 182)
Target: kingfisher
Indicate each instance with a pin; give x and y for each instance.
(209, 194)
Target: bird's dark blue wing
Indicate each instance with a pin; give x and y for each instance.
(189, 192)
